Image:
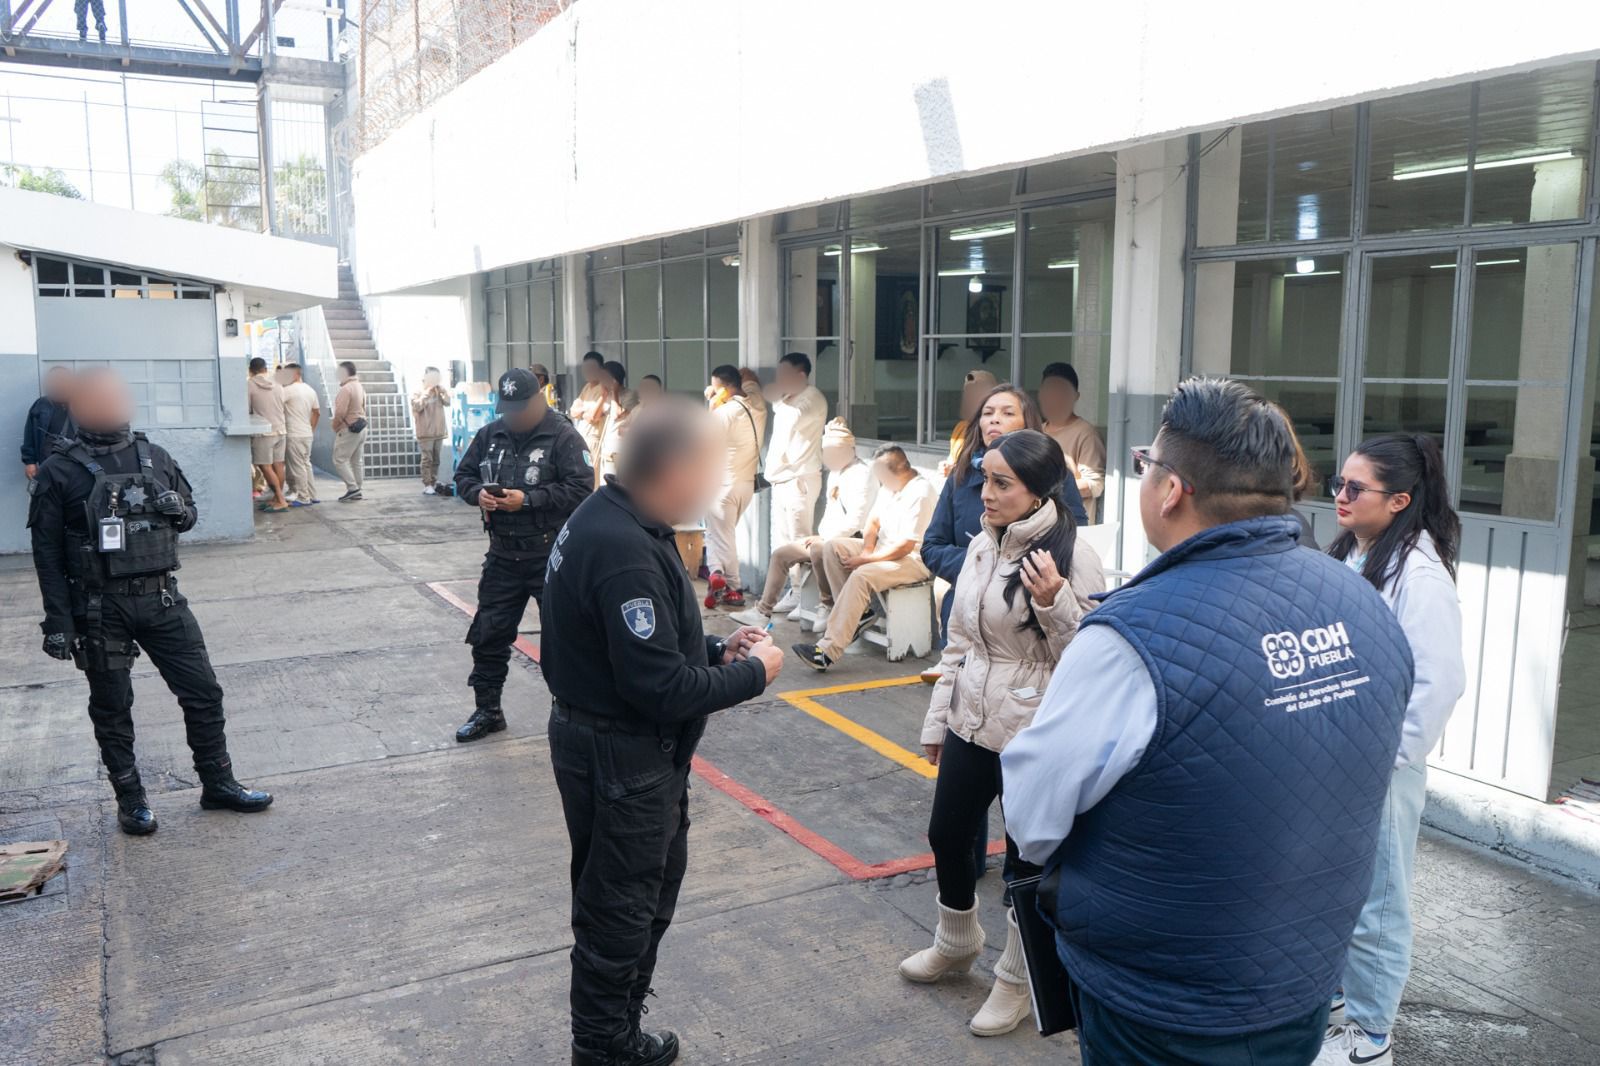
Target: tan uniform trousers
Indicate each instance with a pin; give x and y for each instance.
(853, 589)
(297, 468)
(722, 522)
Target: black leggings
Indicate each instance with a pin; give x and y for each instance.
(969, 781)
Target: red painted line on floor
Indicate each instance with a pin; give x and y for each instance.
(522, 644)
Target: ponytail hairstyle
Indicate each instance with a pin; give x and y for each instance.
(974, 438)
(1038, 462)
(1410, 463)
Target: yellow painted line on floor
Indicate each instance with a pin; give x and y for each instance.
(802, 701)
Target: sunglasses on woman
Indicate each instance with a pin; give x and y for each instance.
(1338, 486)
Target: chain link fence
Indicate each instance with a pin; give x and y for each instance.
(413, 52)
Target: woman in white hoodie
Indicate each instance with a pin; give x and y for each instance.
(1399, 532)
(1024, 585)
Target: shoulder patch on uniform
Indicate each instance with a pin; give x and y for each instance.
(640, 614)
(588, 460)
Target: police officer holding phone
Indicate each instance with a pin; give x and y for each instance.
(525, 472)
(106, 511)
(633, 678)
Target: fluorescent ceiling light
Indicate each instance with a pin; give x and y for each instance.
(963, 272)
(1481, 262)
(1312, 274)
(1305, 266)
(1062, 264)
(1485, 164)
(855, 249)
(991, 229)
(975, 285)
(730, 260)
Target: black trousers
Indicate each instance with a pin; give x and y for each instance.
(504, 590)
(1107, 1038)
(968, 782)
(169, 634)
(626, 802)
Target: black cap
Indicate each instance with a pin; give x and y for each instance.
(517, 386)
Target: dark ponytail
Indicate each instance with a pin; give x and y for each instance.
(1411, 463)
(1039, 464)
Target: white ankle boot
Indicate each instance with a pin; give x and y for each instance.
(956, 944)
(1009, 1001)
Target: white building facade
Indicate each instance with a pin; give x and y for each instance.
(1384, 221)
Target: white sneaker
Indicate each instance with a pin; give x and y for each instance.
(1350, 1045)
(790, 602)
(427, 490)
(751, 616)
(819, 624)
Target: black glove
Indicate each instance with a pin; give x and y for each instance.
(57, 646)
(170, 503)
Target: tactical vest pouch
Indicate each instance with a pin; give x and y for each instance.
(152, 547)
(94, 652)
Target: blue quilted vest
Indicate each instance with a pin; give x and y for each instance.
(1215, 888)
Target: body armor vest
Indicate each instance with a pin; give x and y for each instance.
(149, 538)
(522, 469)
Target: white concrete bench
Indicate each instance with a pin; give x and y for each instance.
(906, 621)
(810, 598)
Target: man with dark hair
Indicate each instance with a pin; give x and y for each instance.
(1205, 774)
(349, 431)
(526, 472)
(883, 557)
(650, 388)
(1080, 442)
(269, 443)
(794, 460)
(105, 514)
(739, 462)
(592, 407)
(48, 420)
(633, 678)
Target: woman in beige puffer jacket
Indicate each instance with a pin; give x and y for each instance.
(1024, 587)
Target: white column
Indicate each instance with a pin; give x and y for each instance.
(863, 327)
(1146, 317)
(575, 333)
(760, 331)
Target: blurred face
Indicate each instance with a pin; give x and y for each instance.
(649, 389)
(1002, 413)
(1057, 399)
(837, 456)
(58, 384)
(431, 378)
(344, 375)
(1005, 498)
(1362, 509)
(530, 416)
(688, 488)
(886, 474)
(790, 379)
(102, 403)
(591, 371)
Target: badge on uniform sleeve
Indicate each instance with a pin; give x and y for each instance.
(640, 615)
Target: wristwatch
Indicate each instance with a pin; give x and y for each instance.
(719, 650)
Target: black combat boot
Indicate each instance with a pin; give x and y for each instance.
(220, 792)
(636, 1049)
(488, 718)
(133, 809)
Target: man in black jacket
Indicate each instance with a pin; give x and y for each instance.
(633, 678)
(105, 513)
(48, 420)
(526, 472)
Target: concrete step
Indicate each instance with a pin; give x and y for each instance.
(355, 349)
(342, 314)
(343, 335)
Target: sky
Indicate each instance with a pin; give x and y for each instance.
(74, 121)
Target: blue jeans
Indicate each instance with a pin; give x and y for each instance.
(1380, 952)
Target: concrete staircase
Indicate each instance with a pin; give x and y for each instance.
(391, 448)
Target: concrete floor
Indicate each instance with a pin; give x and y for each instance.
(405, 901)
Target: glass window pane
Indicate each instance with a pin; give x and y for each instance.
(1233, 195)
(683, 297)
(558, 297)
(605, 257)
(1522, 313)
(904, 205)
(974, 293)
(1418, 174)
(971, 194)
(953, 358)
(1070, 175)
(605, 308)
(517, 273)
(1313, 161)
(517, 313)
(718, 237)
(681, 244)
(1533, 139)
(885, 324)
(1511, 461)
(686, 367)
(50, 271)
(1269, 317)
(541, 313)
(1409, 317)
(642, 252)
(720, 353)
(1313, 407)
(813, 304)
(822, 216)
(1392, 408)
(495, 300)
(641, 358)
(722, 296)
(1067, 263)
(642, 289)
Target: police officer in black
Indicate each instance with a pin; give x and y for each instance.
(633, 678)
(526, 472)
(106, 512)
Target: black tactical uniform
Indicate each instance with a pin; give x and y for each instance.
(106, 512)
(634, 677)
(552, 467)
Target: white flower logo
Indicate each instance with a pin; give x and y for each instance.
(509, 387)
